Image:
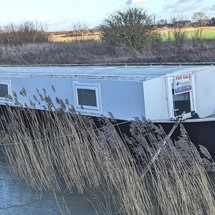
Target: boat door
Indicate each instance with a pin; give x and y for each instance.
(181, 96)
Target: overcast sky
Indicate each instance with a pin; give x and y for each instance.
(67, 14)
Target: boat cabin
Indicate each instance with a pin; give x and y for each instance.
(159, 93)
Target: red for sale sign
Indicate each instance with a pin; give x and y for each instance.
(182, 83)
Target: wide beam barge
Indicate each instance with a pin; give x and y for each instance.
(160, 93)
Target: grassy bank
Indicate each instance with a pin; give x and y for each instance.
(85, 47)
(91, 52)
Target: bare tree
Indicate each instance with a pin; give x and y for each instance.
(27, 32)
(131, 27)
(199, 17)
(179, 33)
(180, 36)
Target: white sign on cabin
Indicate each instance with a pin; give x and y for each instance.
(182, 83)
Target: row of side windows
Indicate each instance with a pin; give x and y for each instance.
(87, 95)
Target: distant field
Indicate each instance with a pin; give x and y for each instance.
(74, 36)
(167, 34)
(207, 33)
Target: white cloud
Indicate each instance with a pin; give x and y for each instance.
(136, 1)
(45, 19)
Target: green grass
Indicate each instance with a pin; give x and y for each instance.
(206, 34)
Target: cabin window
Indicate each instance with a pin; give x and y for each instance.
(87, 97)
(4, 90)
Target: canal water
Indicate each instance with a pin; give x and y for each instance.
(16, 198)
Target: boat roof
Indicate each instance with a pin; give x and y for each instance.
(140, 73)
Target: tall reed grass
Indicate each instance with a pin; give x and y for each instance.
(48, 149)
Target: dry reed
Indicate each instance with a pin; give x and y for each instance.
(47, 149)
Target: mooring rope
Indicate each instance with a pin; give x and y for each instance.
(167, 137)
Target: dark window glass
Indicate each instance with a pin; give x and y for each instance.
(182, 103)
(87, 97)
(3, 90)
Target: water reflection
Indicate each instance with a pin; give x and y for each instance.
(17, 199)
